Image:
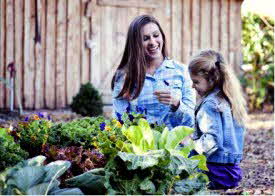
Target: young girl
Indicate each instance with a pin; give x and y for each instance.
(219, 118)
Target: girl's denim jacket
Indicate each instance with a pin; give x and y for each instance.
(217, 134)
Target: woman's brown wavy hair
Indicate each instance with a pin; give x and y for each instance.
(133, 63)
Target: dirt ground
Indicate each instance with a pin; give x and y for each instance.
(258, 162)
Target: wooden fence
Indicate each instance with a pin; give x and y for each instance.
(58, 44)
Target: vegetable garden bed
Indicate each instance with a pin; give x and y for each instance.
(258, 163)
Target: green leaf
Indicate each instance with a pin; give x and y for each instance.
(56, 169)
(179, 164)
(176, 135)
(157, 136)
(148, 186)
(36, 161)
(163, 138)
(41, 189)
(140, 136)
(146, 160)
(67, 191)
(192, 185)
(202, 161)
(91, 182)
(27, 177)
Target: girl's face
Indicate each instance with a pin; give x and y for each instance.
(152, 41)
(200, 84)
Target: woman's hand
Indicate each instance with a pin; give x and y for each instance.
(167, 98)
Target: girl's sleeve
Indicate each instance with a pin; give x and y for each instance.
(209, 124)
(184, 115)
(119, 104)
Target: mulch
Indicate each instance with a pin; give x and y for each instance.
(258, 162)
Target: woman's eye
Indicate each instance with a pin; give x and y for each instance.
(145, 38)
(156, 35)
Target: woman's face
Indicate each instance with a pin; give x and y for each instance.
(152, 41)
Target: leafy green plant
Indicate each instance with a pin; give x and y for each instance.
(88, 101)
(110, 138)
(149, 162)
(10, 152)
(31, 177)
(33, 133)
(78, 132)
(258, 58)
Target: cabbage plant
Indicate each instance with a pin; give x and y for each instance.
(31, 177)
(149, 162)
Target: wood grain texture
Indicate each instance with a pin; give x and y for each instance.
(28, 94)
(176, 40)
(2, 51)
(186, 31)
(50, 59)
(39, 54)
(19, 25)
(73, 49)
(61, 54)
(130, 3)
(9, 46)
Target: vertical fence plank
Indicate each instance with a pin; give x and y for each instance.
(32, 51)
(95, 45)
(85, 52)
(50, 63)
(2, 51)
(9, 45)
(195, 26)
(215, 15)
(167, 24)
(186, 31)
(107, 45)
(237, 34)
(61, 54)
(39, 53)
(73, 51)
(177, 29)
(224, 29)
(28, 94)
(107, 41)
(205, 33)
(163, 15)
(18, 49)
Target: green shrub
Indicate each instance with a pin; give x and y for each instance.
(88, 101)
(258, 57)
(10, 152)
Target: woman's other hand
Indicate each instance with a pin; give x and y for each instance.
(166, 97)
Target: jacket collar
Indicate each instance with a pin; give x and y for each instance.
(213, 93)
(168, 63)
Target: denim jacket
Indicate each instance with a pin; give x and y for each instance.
(171, 76)
(217, 134)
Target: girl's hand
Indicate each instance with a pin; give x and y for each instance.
(167, 98)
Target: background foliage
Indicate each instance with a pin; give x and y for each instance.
(88, 101)
(258, 59)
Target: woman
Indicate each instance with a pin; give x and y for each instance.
(147, 81)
